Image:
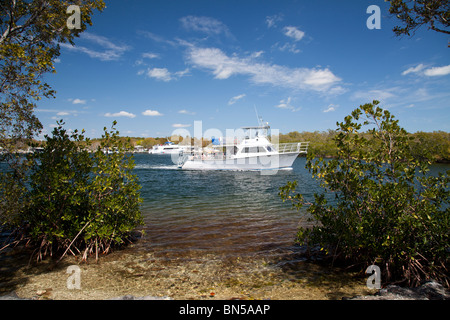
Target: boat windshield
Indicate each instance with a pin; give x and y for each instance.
(260, 131)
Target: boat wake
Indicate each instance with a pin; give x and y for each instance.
(156, 167)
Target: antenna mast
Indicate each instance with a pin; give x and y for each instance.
(259, 119)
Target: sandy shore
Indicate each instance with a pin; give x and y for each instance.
(196, 277)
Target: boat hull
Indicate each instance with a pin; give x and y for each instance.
(265, 162)
(165, 152)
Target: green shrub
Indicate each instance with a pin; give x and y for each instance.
(387, 211)
(78, 201)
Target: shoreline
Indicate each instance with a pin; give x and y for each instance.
(125, 275)
(197, 277)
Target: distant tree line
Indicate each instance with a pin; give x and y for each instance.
(430, 146)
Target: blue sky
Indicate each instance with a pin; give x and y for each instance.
(158, 66)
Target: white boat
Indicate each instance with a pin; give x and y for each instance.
(253, 152)
(169, 148)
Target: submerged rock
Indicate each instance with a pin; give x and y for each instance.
(11, 296)
(431, 290)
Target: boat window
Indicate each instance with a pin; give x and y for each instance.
(253, 150)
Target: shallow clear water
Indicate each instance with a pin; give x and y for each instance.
(230, 213)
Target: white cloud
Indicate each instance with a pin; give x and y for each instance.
(163, 74)
(415, 69)
(186, 112)
(286, 104)
(271, 21)
(78, 101)
(151, 113)
(294, 33)
(257, 54)
(180, 125)
(120, 114)
(150, 55)
(108, 51)
(159, 73)
(330, 108)
(319, 78)
(156, 37)
(181, 73)
(207, 25)
(103, 41)
(59, 113)
(290, 47)
(223, 67)
(235, 99)
(437, 71)
(429, 72)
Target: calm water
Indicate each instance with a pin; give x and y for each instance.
(229, 213)
(225, 213)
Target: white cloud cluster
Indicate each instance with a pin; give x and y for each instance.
(184, 111)
(290, 31)
(271, 21)
(223, 67)
(415, 69)
(78, 101)
(150, 55)
(421, 69)
(108, 50)
(151, 113)
(330, 108)
(437, 71)
(159, 73)
(163, 74)
(294, 33)
(235, 99)
(148, 112)
(120, 114)
(180, 125)
(206, 25)
(286, 104)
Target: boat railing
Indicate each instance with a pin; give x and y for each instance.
(301, 147)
